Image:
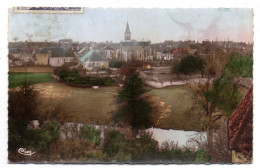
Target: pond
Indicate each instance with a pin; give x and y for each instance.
(179, 137)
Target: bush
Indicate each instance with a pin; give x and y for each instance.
(101, 81)
(115, 64)
(16, 134)
(74, 78)
(69, 149)
(64, 74)
(176, 155)
(114, 143)
(39, 140)
(145, 149)
(188, 156)
(96, 157)
(202, 157)
(90, 134)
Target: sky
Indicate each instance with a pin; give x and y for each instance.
(156, 25)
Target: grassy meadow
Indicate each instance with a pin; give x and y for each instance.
(95, 106)
(18, 79)
(184, 113)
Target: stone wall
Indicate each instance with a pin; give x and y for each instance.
(161, 77)
(163, 84)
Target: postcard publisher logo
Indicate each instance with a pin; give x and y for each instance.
(23, 151)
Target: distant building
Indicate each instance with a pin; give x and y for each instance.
(57, 56)
(66, 43)
(127, 33)
(27, 51)
(42, 59)
(136, 51)
(159, 55)
(109, 52)
(92, 61)
(15, 51)
(131, 50)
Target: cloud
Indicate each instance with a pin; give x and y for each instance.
(186, 28)
(211, 32)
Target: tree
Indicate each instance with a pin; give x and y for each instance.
(127, 70)
(21, 103)
(115, 64)
(190, 64)
(225, 94)
(215, 63)
(176, 69)
(239, 65)
(217, 144)
(134, 110)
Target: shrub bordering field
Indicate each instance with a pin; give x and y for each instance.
(73, 77)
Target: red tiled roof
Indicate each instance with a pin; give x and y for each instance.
(240, 126)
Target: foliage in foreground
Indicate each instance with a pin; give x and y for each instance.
(225, 94)
(21, 103)
(144, 149)
(69, 149)
(20, 112)
(91, 135)
(115, 149)
(19, 135)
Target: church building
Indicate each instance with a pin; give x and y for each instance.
(132, 50)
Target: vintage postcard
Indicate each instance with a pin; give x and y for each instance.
(130, 85)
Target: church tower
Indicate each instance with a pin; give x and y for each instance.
(127, 33)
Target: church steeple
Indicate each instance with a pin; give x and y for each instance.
(127, 33)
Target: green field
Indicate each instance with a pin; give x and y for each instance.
(18, 79)
(186, 113)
